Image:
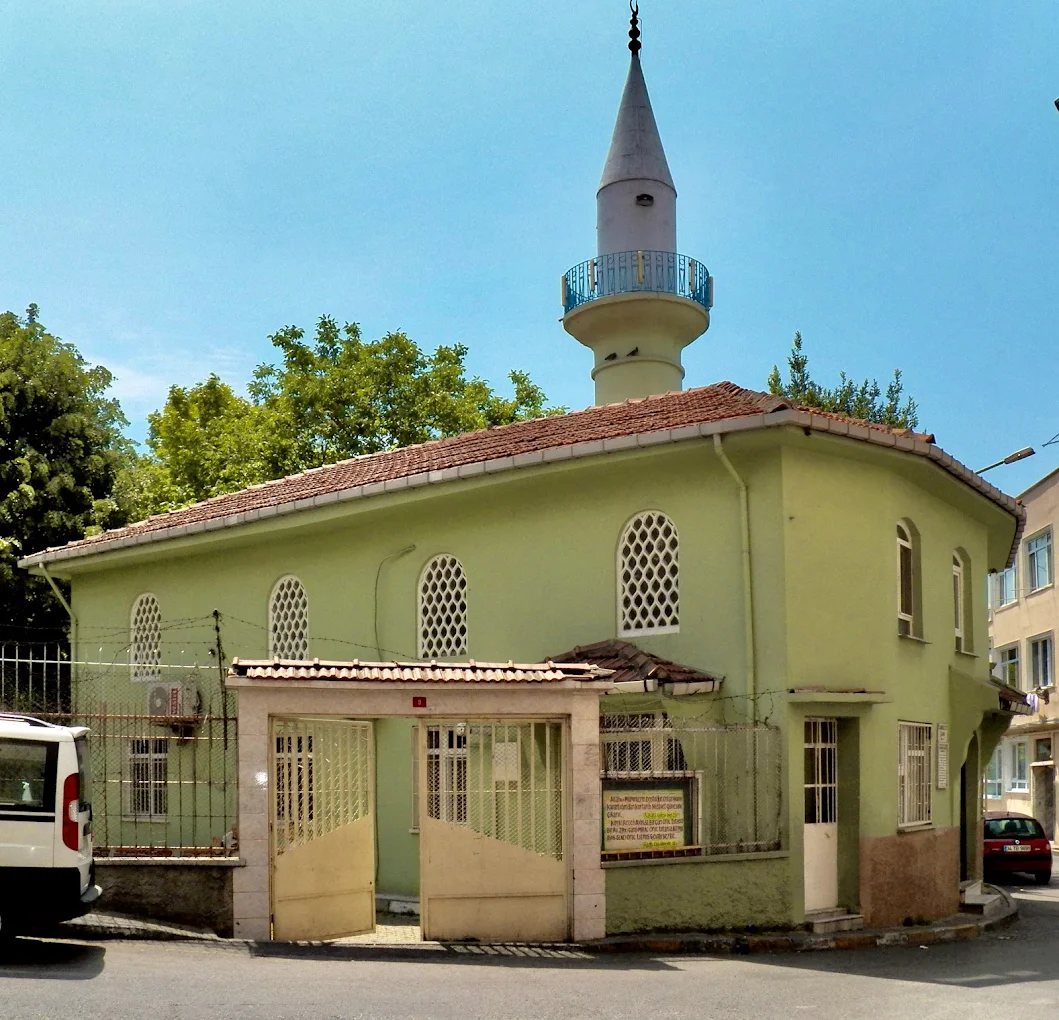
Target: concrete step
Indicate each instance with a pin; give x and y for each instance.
(986, 901)
(824, 921)
(394, 903)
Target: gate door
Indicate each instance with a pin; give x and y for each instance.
(323, 835)
(492, 851)
(820, 847)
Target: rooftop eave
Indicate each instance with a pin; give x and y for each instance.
(782, 416)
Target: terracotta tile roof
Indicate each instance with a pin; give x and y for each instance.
(631, 663)
(666, 418)
(471, 672)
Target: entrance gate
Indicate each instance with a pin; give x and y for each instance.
(492, 832)
(322, 828)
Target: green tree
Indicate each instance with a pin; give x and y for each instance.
(62, 450)
(329, 398)
(864, 400)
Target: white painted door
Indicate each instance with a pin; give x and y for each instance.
(820, 846)
(323, 829)
(492, 860)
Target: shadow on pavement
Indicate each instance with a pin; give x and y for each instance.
(39, 958)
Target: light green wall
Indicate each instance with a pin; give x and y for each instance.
(397, 857)
(539, 550)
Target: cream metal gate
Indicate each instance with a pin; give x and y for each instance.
(323, 828)
(493, 862)
(820, 847)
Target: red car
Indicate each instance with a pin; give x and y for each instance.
(1016, 843)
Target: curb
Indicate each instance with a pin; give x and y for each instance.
(959, 928)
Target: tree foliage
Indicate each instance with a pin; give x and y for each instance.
(864, 400)
(328, 398)
(62, 450)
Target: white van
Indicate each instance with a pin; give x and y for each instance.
(46, 869)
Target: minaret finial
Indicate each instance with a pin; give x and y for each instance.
(634, 29)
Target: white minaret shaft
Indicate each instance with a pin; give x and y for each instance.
(636, 205)
(639, 302)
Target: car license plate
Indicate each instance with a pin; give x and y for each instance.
(1017, 849)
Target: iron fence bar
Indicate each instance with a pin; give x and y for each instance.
(630, 272)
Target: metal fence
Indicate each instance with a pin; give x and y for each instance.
(35, 677)
(628, 272)
(162, 785)
(730, 779)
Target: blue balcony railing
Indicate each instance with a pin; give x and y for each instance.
(630, 272)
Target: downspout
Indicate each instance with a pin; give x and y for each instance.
(74, 650)
(748, 591)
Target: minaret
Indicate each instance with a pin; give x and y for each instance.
(638, 303)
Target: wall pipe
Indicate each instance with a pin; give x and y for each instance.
(748, 591)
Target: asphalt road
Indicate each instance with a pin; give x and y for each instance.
(1008, 973)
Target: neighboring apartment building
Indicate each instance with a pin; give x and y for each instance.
(1023, 625)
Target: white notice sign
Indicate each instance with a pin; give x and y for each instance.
(648, 819)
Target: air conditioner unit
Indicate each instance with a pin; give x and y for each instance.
(180, 700)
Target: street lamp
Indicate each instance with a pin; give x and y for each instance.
(1011, 458)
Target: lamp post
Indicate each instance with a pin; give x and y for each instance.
(1011, 458)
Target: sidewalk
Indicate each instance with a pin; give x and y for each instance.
(396, 937)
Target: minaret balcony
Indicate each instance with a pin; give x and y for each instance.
(632, 272)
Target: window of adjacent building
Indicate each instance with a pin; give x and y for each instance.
(147, 785)
(1042, 749)
(1009, 666)
(1018, 766)
(1041, 667)
(1005, 587)
(442, 609)
(288, 620)
(914, 774)
(649, 575)
(145, 639)
(907, 580)
(994, 785)
(1039, 560)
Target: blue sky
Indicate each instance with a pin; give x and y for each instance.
(182, 178)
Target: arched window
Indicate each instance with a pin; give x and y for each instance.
(442, 609)
(145, 639)
(649, 575)
(909, 597)
(962, 603)
(288, 620)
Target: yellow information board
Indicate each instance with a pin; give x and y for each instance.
(649, 818)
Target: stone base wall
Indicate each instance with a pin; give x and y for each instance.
(911, 875)
(186, 892)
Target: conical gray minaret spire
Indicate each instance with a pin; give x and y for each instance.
(636, 200)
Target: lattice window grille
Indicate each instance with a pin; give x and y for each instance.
(288, 620)
(145, 640)
(443, 609)
(649, 575)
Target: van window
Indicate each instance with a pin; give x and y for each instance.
(84, 773)
(27, 775)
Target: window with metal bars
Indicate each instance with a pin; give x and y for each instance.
(147, 785)
(914, 771)
(294, 779)
(447, 774)
(640, 745)
(145, 639)
(821, 771)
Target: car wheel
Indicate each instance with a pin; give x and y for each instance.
(1042, 877)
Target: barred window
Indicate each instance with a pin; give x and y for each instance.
(649, 575)
(288, 620)
(914, 774)
(442, 609)
(145, 639)
(640, 745)
(146, 789)
(447, 774)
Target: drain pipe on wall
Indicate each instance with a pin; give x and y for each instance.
(378, 573)
(748, 591)
(74, 650)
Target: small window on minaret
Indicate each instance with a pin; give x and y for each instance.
(645, 199)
